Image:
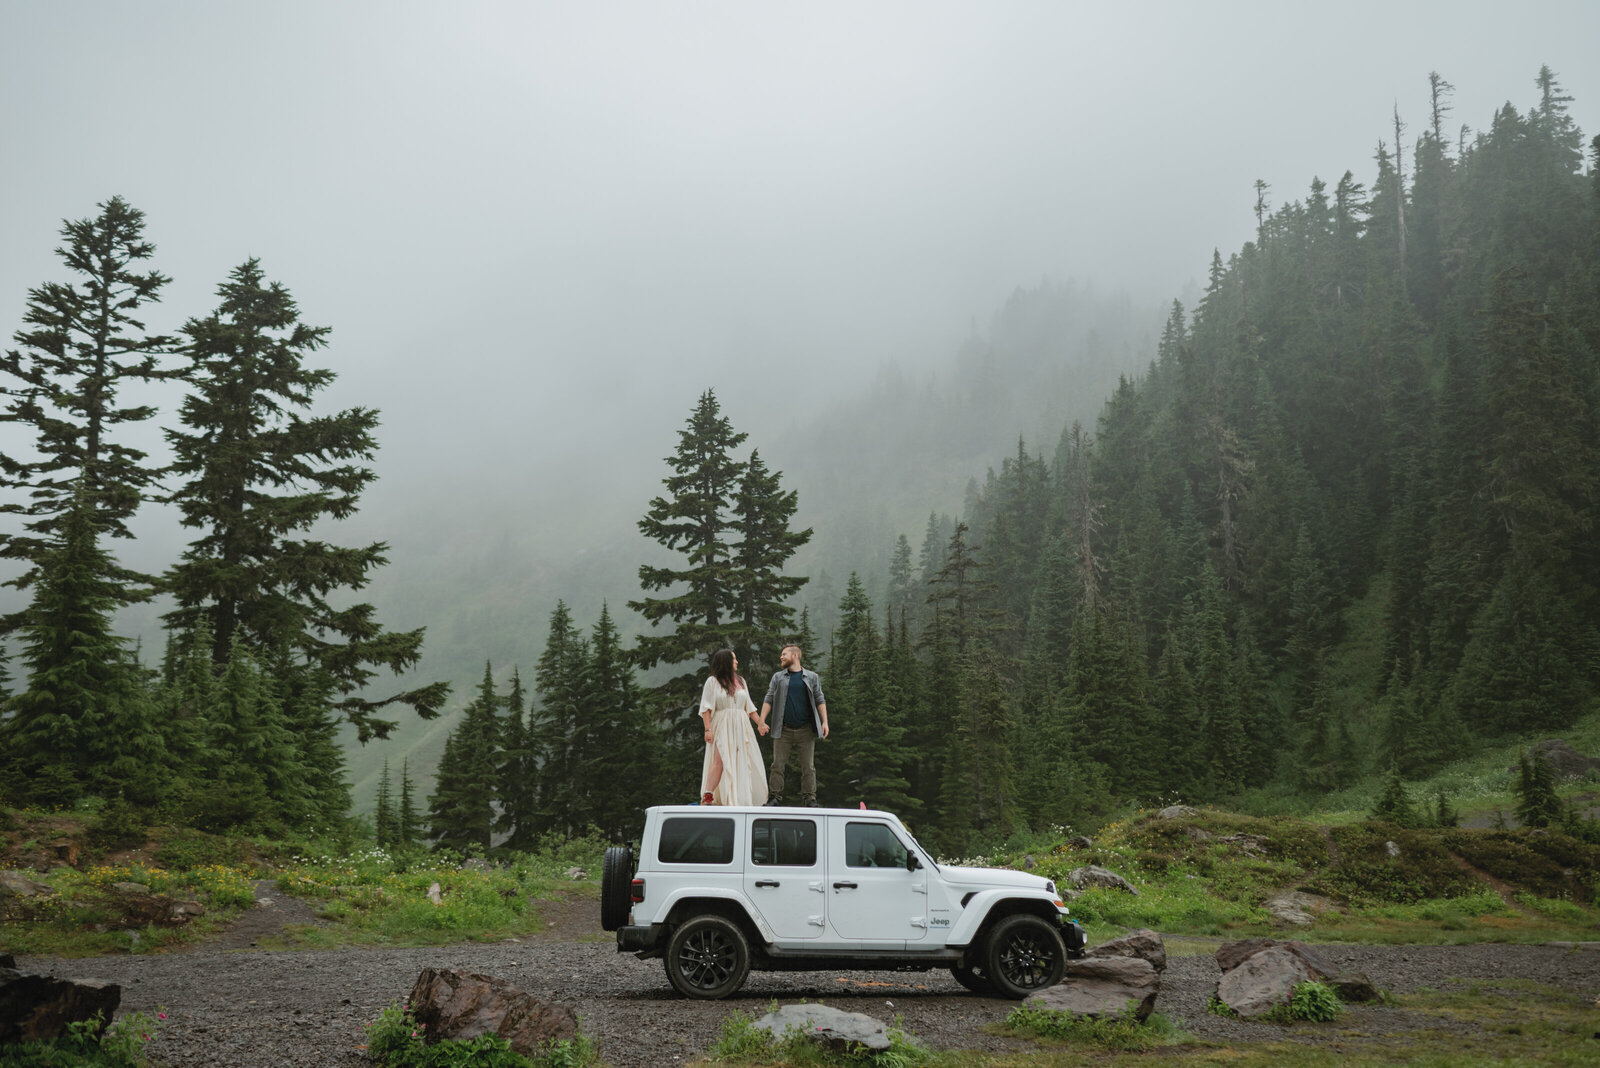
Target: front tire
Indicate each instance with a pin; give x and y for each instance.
(616, 888)
(707, 958)
(1024, 956)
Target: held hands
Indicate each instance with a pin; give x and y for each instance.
(763, 728)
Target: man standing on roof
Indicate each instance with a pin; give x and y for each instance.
(802, 719)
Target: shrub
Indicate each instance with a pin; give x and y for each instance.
(395, 1040)
(1122, 1033)
(1313, 1001)
(86, 1045)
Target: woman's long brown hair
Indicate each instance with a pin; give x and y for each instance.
(722, 670)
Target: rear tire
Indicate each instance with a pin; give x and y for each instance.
(973, 980)
(707, 958)
(1024, 956)
(616, 888)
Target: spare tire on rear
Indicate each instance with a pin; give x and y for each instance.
(616, 888)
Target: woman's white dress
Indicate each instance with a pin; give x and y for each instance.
(744, 778)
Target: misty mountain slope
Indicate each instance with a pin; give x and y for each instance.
(868, 468)
(873, 466)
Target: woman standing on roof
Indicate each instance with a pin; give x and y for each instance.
(732, 772)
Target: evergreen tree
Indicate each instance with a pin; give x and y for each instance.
(81, 345)
(560, 679)
(461, 808)
(1394, 803)
(1538, 804)
(518, 786)
(765, 544)
(384, 819)
(621, 766)
(696, 519)
(407, 826)
(731, 523)
(246, 441)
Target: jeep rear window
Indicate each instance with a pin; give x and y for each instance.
(789, 842)
(696, 840)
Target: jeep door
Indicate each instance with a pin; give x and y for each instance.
(873, 901)
(784, 876)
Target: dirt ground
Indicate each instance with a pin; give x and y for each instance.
(232, 1002)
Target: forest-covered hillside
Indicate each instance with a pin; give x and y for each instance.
(1335, 518)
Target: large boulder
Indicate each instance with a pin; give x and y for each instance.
(16, 884)
(1144, 944)
(451, 1003)
(1104, 987)
(1093, 875)
(1565, 762)
(1232, 954)
(1262, 981)
(1176, 812)
(830, 1028)
(39, 1007)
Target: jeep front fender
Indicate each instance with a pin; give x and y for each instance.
(982, 904)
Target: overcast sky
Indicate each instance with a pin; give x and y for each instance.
(540, 230)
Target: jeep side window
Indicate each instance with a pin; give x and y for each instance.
(872, 845)
(696, 840)
(789, 842)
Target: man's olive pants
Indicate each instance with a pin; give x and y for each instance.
(795, 741)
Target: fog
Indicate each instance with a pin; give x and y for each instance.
(540, 231)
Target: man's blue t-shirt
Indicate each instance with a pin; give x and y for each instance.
(797, 709)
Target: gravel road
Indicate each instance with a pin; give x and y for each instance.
(229, 1004)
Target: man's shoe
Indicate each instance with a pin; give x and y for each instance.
(812, 804)
(775, 799)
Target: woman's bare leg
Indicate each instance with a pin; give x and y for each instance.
(714, 776)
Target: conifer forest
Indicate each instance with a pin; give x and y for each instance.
(1340, 525)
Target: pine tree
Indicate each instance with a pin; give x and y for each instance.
(461, 808)
(621, 769)
(384, 820)
(246, 441)
(697, 519)
(518, 786)
(900, 592)
(407, 827)
(765, 544)
(82, 344)
(1538, 804)
(1394, 803)
(559, 680)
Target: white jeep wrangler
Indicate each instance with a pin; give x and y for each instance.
(719, 891)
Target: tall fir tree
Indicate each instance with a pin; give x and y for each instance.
(82, 343)
(252, 572)
(461, 807)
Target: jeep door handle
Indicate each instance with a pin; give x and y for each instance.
(766, 882)
(844, 886)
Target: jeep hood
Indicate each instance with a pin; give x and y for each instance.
(991, 878)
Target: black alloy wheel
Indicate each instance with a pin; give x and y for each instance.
(707, 958)
(1024, 956)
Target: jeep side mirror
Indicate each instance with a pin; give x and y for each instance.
(912, 863)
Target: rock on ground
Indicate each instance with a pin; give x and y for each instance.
(830, 1028)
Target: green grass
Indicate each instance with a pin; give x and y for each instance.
(375, 897)
(86, 917)
(1513, 1023)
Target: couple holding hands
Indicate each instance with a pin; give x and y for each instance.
(731, 773)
